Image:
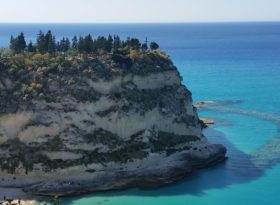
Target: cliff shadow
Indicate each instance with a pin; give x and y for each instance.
(240, 168)
(237, 169)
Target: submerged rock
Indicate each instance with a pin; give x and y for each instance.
(93, 125)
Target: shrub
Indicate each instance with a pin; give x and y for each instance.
(18, 60)
(5, 52)
(154, 45)
(40, 57)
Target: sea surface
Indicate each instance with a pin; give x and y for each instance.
(236, 66)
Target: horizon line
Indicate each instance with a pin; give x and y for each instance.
(175, 22)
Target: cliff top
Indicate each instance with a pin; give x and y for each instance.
(31, 72)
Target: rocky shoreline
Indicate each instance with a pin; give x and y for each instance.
(174, 168)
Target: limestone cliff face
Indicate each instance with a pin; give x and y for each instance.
(98, 124)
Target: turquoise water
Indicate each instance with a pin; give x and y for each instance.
(235, 64)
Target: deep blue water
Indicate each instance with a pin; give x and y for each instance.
(220, 62)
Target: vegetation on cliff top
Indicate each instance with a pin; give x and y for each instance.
(45, 69)
(47, 44)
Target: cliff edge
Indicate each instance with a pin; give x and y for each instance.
(71, 125)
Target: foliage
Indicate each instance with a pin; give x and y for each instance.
(154, 45)
(46, 43)
(163, 141)
(104, 137)
(18, 44)
(41, 73)
(133, 54)
(31, 48)
(40, 57)
(5, 52)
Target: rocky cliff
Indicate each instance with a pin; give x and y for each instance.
(72, 125)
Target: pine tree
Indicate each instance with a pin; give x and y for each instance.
(21, 43)
(75, 42)
(127, 43)
(117, 43)
(80, 45)
(67, 44)
(58, 47)
(88, 44)
(109, 44)
(135, 43)
(12, 43)
(31, 48)
(18, 44)
(51, 45)
(41, 42)
(62, 44)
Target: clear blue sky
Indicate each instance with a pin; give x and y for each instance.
(100, 11)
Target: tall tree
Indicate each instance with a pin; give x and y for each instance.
(49, 43)
(80, 45)
(21, 42)
(31, 48)
(109, 44)
(116, 43)
(41, 42)
(12, 43)
(134, 43)
(67, 44)
(88, 44)
(63, 44)
(18, 44)
(75, 42)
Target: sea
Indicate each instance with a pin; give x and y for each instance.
(235, 67)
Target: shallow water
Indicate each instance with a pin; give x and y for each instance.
(219, 62)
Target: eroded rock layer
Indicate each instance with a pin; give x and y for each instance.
(75, 126)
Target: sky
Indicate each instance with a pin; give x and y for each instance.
(137, 11)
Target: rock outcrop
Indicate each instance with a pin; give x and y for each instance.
(72, 126)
